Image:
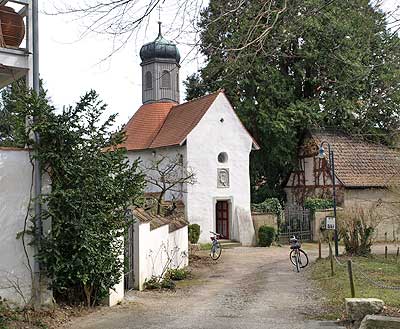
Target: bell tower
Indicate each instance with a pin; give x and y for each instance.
(160, 70)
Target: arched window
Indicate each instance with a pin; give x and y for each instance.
(166, 79)
(148, 80)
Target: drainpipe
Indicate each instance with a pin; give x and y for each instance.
(37, 171)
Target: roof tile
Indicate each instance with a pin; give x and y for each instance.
(359, 163)
(164, 124)
(145, 124)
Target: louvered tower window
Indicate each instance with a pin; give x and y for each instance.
(166, 80)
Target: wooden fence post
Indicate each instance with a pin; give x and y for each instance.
(351, 279)
(319, 249)
(331, 258)
(398, 251)
(386, 252)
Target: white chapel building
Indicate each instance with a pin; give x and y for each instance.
(206, 133)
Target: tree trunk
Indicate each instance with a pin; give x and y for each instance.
(88, 294)
(160, 198)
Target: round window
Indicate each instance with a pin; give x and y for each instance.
(222, 157)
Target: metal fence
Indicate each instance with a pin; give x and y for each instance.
(296, 221)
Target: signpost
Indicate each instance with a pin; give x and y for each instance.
(330, 223)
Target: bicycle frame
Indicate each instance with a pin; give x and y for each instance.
(215, 246)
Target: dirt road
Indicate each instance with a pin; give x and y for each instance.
(247, 288)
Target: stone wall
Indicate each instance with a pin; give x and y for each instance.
(260, 219)
(386, 204)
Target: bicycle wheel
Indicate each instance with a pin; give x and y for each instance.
(294, 259)
(215, 251)
(303, 258)
(297, 258)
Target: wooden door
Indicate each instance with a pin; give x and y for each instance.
(222, 215)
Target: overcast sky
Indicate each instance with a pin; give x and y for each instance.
(70, 67)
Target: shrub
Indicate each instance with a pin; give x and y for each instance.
(266, 235)
(317, 203)
(356, 226)
(177, 274)
(194, 233)
(167, 283)
(271, 205)
(156, 283)
(153, 283)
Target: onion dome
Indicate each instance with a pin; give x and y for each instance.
(160, 48)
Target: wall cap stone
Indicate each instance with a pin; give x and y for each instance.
(358, 308)
(380, 321)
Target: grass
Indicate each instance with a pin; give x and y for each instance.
(337, 288)
(205, 246)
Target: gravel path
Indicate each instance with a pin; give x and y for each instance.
(247, 288)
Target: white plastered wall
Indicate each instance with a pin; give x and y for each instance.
(154, 248)
(220, 130)
(147, 156)
(15, 185)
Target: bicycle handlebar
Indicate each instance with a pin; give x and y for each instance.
(216, 234)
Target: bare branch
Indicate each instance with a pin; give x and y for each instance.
(168, 174)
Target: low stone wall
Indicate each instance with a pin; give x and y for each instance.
(388, 229)
(261, 219)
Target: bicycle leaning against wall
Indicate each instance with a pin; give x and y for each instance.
(298, 257)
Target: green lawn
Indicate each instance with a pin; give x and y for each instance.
(205, 246)
(337, 288)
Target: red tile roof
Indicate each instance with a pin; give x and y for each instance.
(145, 124)
(157, 125)
(359, 163)
(165, 124)
(181, 120)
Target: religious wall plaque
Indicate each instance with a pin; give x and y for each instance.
(223, 177)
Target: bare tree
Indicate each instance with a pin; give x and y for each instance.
(168, 174)
(123, 19)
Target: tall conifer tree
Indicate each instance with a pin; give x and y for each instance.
(291, 65)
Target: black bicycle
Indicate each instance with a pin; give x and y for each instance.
(298, 256)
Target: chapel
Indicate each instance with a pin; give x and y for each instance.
(208, 137)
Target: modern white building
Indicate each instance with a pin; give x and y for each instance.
(208, 136)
